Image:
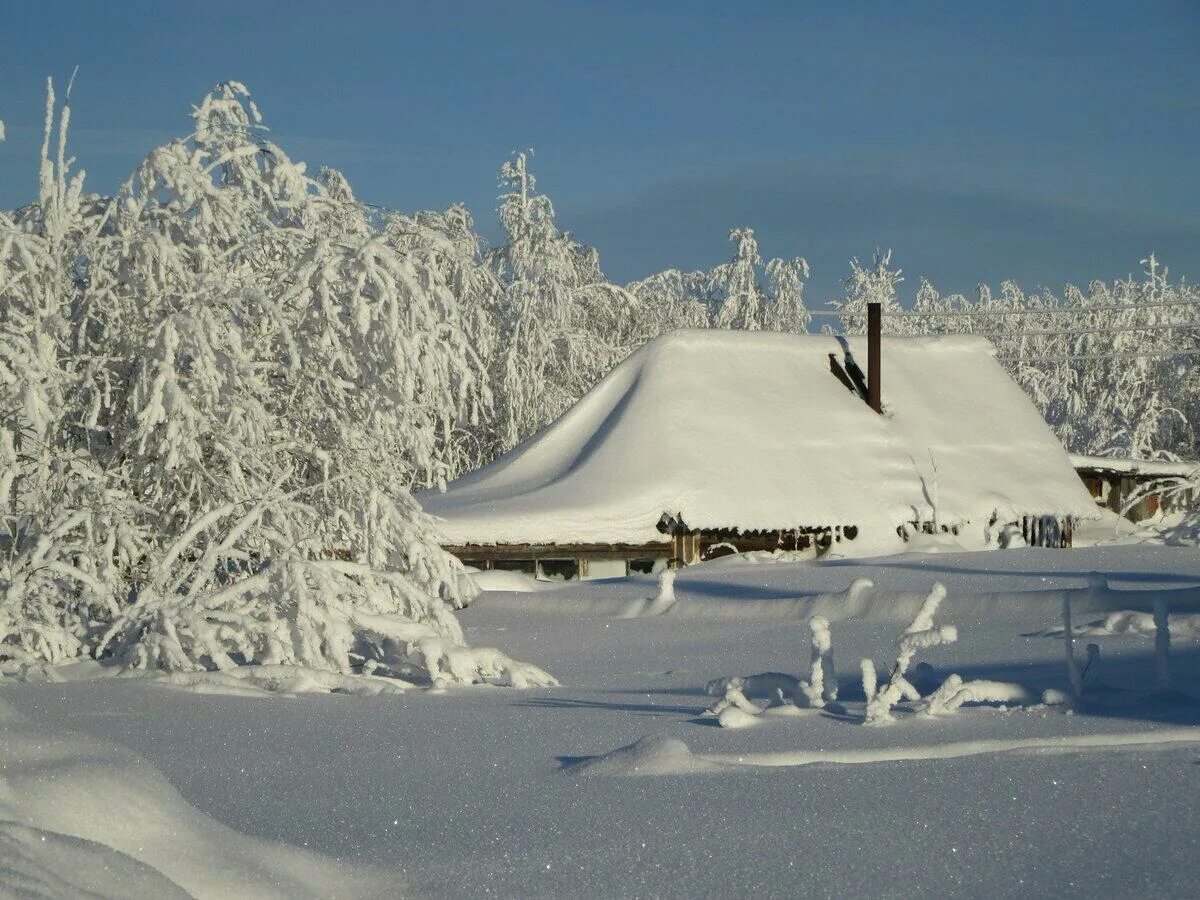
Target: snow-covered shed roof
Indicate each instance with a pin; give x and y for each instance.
(1152, 468)
(751, 430)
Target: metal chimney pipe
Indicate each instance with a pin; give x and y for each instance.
(874, 327)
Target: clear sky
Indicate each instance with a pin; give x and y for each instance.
(1045, 141)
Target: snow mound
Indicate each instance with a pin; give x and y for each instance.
(957, 749)
(38, 863)
(660, 433)
(288, 681)
(81, 815)
(734, 717)
(1129, 621)
(657, 755)
(654, 754)
(516, 582)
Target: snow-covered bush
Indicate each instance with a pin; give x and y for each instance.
(784, 693)
(63, 525)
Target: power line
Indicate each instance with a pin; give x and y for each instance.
(1025, 311)
(1160, 355)
(1068, 331)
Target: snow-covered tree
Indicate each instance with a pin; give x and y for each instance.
(876, 283)
(1099, 363)
(741, 301)
(219, 387)
(785, 297)
(745, 293)
(63, 529)
(738, 297)
(673, 299)
(565, 325)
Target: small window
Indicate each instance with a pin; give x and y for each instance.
(606, 568)
(647, 566)
(528, 566)
(557, 569)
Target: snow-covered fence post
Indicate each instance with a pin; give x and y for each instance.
(1162, 643)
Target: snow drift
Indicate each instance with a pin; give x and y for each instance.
(82, 817)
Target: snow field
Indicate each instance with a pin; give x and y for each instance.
(483, 791)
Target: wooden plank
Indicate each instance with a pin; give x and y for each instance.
(558, 551)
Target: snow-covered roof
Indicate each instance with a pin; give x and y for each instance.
(1154, 468)
(751, 430)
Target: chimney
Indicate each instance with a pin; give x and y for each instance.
(874, 326)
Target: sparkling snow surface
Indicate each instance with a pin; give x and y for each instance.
(751, 429)
(489, 791)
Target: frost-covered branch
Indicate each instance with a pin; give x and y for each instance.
(821, 686)
(922, 634)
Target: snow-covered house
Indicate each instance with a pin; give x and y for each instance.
(706, 442)
(1113, 480)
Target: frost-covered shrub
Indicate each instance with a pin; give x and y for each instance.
(50, 604)
(766, 684)
(203, 607)
(822, 668)
(821, 686)
(920, 635)
(328, 615)
(734, 709)
(954, 692)
(784, 693)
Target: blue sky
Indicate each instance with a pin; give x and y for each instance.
(1040, 141)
